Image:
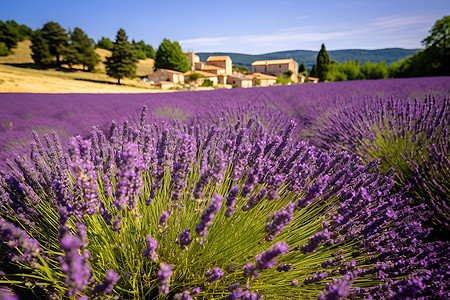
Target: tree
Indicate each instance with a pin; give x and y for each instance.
(169, 56)
(301, 68)
(313, 72)
(105, 43)
(323, 63)
(437, 46)
(56, 38)
(144, 51)
(24, 32)
(40, 51)
(81, 50)
(123, 61)
(8, 37)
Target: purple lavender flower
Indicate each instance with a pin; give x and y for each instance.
(284, 267)
(164, 273)
(185, 238)
(250, 270)
(150, 252)
(231, 199)
(315, 240)
(338, 289)
(318, 276)
(74, 266)
(163, 218)
(196, 291)
(214, 275)
(183, 296)
(116, 224)
(16, 237)
(107, 286)
(280, 219)
(232, 287)
(266, 259)
(208, 215)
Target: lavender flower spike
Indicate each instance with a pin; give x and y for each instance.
(163, 218)
(151, 247)
(339, 288)
(107, 286)
(183, 296)
(214, 275)
(185, 238)
(266, 260)
(208, 215)
(164, 274)
(280, 219)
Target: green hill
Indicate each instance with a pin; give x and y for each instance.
(389, 55)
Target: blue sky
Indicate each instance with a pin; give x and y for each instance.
(252, 27)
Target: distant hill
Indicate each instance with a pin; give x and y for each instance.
(389, 55)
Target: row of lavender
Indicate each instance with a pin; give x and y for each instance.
(283, 198)
(74, 114)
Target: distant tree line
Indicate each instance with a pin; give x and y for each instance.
(434, 60)
(11, 34)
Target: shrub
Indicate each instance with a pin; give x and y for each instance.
(223, 210)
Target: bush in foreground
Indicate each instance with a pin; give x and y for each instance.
(218, 211)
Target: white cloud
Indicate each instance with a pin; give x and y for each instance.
(205, 41)
(393, 22)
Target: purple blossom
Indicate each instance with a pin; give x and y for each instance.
(164, 273)
(75, 267)
(250, 270)
(185, 238)
(266, 259)
(151, 244)
(338, 289)
(280, 219)
(208, 215)
(183, 296)
(16, 237)
(315, 240)
(196, 291)
(163, 218)
(214, 275)
(107, 286)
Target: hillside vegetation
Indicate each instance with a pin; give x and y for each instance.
(18, 74)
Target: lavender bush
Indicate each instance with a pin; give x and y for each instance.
(246, 213)
(411, 136)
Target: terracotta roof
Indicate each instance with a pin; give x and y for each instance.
(261, 76)
(218, 58)
(272, 62)
(239, 77)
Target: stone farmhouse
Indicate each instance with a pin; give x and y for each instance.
(276, 67)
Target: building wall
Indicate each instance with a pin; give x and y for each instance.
(226, 64)
(239, 82)
(278, 69)
(163, 75)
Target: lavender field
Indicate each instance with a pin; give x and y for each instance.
(329, 191)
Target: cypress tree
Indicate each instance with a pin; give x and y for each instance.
(123, 61)
(313, 72)
(323, 63)
(302, 68)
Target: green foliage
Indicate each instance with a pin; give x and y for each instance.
(40, 50)
(283, 80)
(193, 77)
(123, 61)
(301, 68)
(434, 60)
(323, 64)
(56, 39)
(374, 71)
(81, 50)
(4, 51)
(8, 36)
(313, 71)
(144, 51)
(169, 56)
(207, 82)
(241, 69)
(24, 32)
(105, 43)
(288, 73)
